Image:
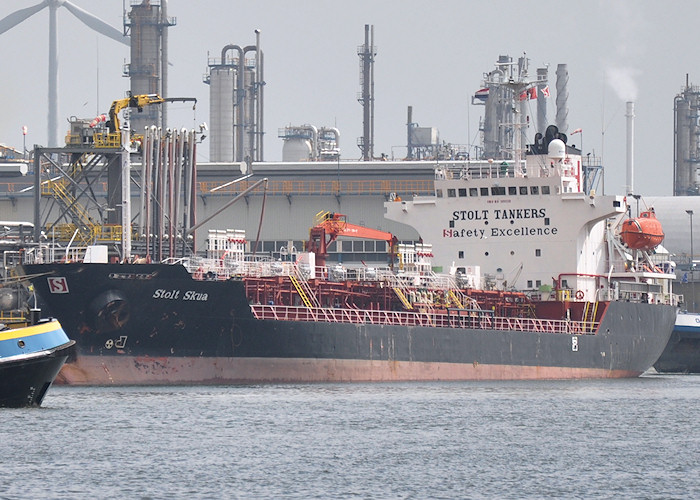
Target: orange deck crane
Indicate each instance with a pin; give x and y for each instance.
(329, 226)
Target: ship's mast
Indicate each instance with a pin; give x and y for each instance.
(510, 82)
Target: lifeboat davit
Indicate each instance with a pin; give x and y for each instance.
(643, 232)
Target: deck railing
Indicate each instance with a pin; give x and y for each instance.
(451, 319)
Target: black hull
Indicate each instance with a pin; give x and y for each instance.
(682, 353)
(153, 324)
(25, 382)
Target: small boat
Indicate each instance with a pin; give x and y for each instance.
(682, 353)
(30, 358)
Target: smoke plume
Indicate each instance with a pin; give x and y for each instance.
(623, 81)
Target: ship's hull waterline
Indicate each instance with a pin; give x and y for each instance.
(127, 332)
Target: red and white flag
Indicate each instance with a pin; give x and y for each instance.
(545, 91)
(577, 131)
(530, 93)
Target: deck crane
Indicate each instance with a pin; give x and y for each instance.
(134, 101)
(139, 102)
(329, 226)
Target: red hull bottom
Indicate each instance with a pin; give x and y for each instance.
(129, 370)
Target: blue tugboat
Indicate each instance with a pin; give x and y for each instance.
(30, 358)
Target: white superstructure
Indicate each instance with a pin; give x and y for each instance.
(528, 225)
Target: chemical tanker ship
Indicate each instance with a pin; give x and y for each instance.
(544, 283)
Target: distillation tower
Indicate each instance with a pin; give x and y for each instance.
(686, 146)
(147, 23)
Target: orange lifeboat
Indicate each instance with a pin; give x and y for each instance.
(642, 233)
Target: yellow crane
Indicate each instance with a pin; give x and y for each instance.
(113, 138)
(134, 101)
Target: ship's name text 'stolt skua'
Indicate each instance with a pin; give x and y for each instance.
(175, 295)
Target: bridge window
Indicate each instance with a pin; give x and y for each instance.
(473, 192)
(523, 189)
(438, 193)
(534, 190)
(512, 190)
(529, 283)
(545, 189)
(484, 191)
(498, 191)
(462, 192)
(451, 193)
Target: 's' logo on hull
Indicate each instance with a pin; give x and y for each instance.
(58, 285)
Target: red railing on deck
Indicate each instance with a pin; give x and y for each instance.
(454, 319)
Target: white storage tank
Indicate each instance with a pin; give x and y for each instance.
(221, 80)
(297, 149)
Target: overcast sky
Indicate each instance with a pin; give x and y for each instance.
(431, 55)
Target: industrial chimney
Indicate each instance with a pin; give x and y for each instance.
(562, 118)
(367, 53)
(630, 147)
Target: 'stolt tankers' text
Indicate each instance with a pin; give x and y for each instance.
(500, 214)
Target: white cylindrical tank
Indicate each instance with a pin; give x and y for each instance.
(221, 95)
(297, 149)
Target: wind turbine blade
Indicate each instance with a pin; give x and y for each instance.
(96, 23)
(18, 16)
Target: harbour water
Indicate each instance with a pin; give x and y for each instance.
(568, 439)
